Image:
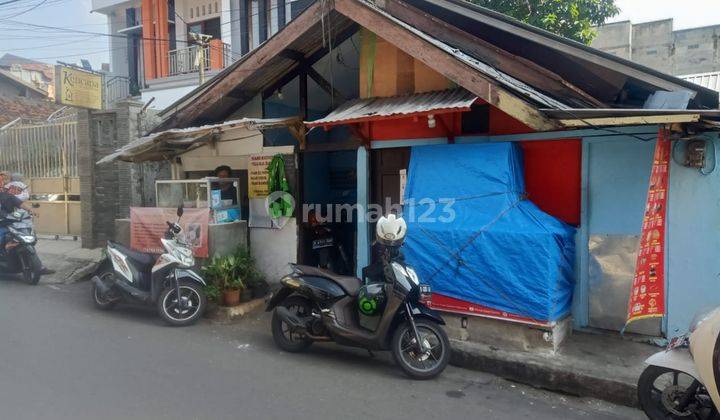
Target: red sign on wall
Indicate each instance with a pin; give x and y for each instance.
(647, 296)
(148, 226)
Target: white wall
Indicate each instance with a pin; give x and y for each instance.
(273, 249)
(165, 97)
(117, 45)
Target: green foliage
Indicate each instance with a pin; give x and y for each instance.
(212, 291)
(572, 19)
(221, 271)
(232, 272)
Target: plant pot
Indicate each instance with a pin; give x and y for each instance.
(231, 297)
(246, 295)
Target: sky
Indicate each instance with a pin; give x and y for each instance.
(51, 45)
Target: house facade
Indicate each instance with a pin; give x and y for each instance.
(394, 90)
(154, 55)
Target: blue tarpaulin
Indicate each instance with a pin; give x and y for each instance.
(474, 236)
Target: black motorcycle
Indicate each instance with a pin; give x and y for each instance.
(18, 255)
(328, 251)
(386, 312)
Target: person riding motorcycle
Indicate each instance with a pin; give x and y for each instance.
(8, 204)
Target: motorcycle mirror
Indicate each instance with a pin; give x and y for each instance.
(179, 211)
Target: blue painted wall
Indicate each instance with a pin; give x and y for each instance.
(693, 234)
(618, 176)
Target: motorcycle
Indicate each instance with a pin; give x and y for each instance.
(169, 281)
(682, 381)
(385, 313)
(329, 252)
(20, 256)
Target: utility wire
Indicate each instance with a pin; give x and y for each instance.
(24, 11)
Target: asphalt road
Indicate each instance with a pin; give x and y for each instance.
(62, 359)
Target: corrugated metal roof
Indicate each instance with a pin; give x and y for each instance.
(169, 143)
(706, 80)
(359, 110)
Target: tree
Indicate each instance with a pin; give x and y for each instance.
(572, 19)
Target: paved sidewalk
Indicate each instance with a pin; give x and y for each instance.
(588, 365)
(70, 262)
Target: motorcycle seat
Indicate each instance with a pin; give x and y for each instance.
(351, 285)
(142, 259)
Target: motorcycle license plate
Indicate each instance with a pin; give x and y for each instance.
(322, 243)
(676, 342)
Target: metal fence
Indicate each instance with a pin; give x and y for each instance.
(43, 150)
(186, 60)
(46, 154)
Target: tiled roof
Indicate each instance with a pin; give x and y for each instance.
(12, 108)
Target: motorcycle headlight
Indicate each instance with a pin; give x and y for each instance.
(185, 256)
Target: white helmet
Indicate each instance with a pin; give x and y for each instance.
(391, 230)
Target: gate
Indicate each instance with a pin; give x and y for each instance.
(46, 154)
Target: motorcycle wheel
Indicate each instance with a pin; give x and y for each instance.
(31, 268)
(101, 302)
(659, 389)
(421, 365)
(283, 338)
(193, 295)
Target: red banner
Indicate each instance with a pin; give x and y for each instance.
(647, 296)
(448, 304)
(148, 225)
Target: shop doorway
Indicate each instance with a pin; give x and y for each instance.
(386, 166)
(330, 194)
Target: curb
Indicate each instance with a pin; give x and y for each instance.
(224, 314)
(519, 368)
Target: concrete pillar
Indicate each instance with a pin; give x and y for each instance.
(363, 198)
(106, 191)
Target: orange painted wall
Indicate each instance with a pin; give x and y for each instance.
(552, 168)
(387, 71)
(156, 38)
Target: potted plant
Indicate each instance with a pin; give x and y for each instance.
(222, 272)
(245, 271)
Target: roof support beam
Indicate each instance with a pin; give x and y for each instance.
(514, 65)
(447, 65)
(249, 64)
(638, 120)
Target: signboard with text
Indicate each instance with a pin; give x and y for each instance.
(79, 88)
(647, 296)
(258, 175)
(148, 225)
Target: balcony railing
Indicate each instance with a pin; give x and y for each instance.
(119, 88)
(216, 56)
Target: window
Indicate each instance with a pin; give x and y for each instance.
(208, 27)
(651, 52)
(693, 47)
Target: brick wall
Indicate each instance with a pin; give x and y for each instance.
(107, 191)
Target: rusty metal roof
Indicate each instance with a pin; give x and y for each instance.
(169, 143)
(369, 109)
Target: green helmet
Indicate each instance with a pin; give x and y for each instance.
(371, 299)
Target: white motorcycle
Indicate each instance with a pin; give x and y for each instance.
(682, 381)
(167, 281)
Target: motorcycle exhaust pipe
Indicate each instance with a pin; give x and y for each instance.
(104, 289)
